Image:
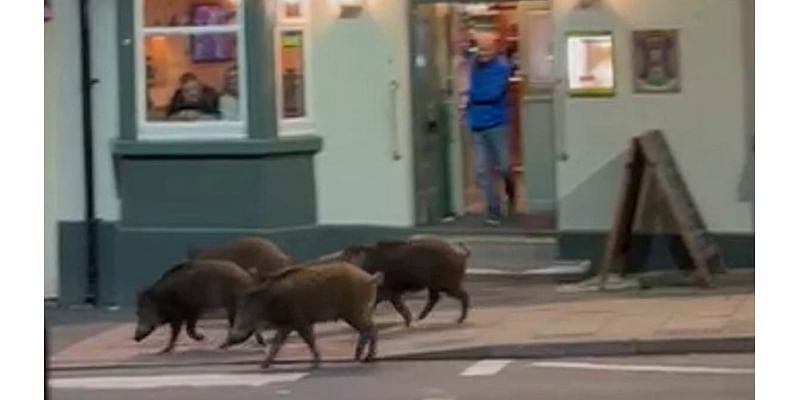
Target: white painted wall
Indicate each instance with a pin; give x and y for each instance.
(105, 117)
(703, 123)
(64, 196)
(63, 169)
(353, 61)
(50, 168)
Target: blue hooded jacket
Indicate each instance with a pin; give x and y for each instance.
(488, 101)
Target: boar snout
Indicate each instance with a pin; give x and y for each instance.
(236, 336)
(142, 332)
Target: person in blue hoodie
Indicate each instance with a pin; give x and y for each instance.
(487, 117)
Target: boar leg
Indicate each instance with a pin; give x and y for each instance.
(462, 296)
(372, 333)
(277, 341)
(367, 335)
(175, 329)
(397, 302)
(356, 323)
(307, 333)
(191, 325)
(433, 298)
(260, 338)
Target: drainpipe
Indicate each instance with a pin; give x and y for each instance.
(90, 221)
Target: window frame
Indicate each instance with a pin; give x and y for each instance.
(194, 130)
(305, 124)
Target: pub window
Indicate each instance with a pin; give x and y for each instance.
(191, 68)
(291, 49)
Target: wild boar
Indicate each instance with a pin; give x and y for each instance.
(297, 298)
(260, 257)
(185, 292)
(412, 266)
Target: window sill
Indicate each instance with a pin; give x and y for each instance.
(253, 147)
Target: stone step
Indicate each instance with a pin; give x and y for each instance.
(514, 254)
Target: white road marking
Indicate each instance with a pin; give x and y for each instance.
(161, 381)
(680, 369)
(485, 367)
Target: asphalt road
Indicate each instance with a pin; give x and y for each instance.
(707, 377)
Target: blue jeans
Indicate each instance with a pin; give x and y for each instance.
(491, 150)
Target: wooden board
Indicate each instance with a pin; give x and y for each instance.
(619, 237)
(649, 156)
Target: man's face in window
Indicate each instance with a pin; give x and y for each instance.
(192, 91)
(487, 46)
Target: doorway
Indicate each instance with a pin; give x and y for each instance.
(446, 189)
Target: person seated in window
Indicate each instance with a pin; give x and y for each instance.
(229, 101)
(193, 101)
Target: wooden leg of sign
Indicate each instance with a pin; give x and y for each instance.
(620, 235)
(702, 270)
(699, 259)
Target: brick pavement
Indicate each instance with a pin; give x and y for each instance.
(582, 322)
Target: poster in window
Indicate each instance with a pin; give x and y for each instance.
(292, 76)
(656, 63)
(590, 64)
(212, 47)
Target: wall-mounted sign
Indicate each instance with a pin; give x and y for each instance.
(655, 61)
(590, 64)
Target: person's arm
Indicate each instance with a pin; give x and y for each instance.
(493, 91)
(173, 106)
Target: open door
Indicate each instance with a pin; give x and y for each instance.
(429, 113)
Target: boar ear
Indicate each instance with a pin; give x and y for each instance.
(144, 295)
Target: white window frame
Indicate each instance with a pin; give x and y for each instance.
(199, 130)
(305, 124)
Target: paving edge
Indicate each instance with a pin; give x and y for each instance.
(606, 348)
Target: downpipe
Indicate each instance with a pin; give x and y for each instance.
(90, 219)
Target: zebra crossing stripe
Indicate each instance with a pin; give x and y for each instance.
(163, 381)
(646, 368)
(485, 368)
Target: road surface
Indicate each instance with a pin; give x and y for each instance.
(684, 377)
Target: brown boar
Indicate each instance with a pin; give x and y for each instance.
(260, 257)
(413, 266)
(187, 291)
(297, 298)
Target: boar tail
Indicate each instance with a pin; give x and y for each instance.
(465, 248)
(377, 278)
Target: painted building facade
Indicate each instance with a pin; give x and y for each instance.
(328, 145)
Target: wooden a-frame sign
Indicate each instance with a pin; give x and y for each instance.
(649, 165)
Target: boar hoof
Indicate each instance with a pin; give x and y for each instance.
(198, 337)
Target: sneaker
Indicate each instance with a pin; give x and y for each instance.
(492, 221)
(493, 216)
